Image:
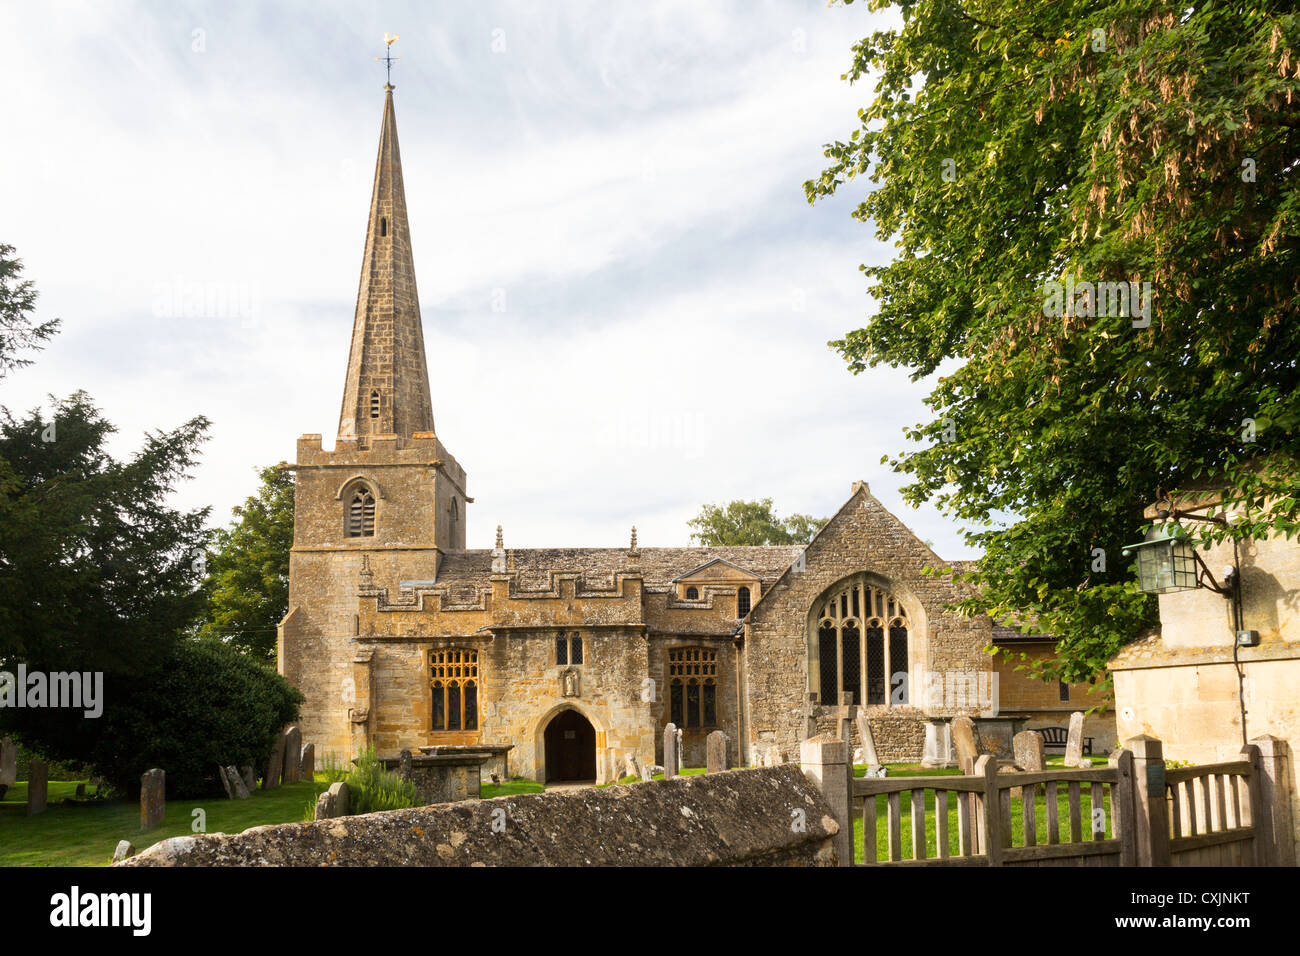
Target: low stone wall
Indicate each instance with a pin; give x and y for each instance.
(771, 816)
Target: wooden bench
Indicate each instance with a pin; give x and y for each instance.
(1059, 736)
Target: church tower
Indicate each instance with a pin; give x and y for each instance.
(388, 500)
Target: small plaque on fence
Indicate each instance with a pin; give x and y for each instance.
(1156, 779)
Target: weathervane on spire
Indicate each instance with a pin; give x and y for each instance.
(388, 57)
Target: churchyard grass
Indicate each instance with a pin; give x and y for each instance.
(86, 834)
(509, 789)
(1017, 817)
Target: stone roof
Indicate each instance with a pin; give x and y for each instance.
(659, 566)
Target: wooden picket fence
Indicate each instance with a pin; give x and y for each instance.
(1236, 813)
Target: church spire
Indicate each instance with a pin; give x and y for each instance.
(387, 386)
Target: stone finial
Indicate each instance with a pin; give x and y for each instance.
(500, 540)
(499, 554)
(633, 547)
(367, 576)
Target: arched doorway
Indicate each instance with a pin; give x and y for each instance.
(570, 748)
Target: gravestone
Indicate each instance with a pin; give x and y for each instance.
(250, 777)
(1028, 748)
(404, 764)
(38, 787)
(646, 772)
(339, 793)
(963, 741)
(811, 711)
(632, 765)
(153, 798)
(292, 754)
(8, 762)
(274, 765)
(670, 751)
(238, 789)
(225, 782)
(125, 849)
(869, 756)
(307, 766)
(324, 805)
(681, 752)
(715, 752)
(938, 745)
(81, 791)
(1074, 742)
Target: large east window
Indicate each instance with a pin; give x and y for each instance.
(453, 680)
(861, 644)
(693, 686)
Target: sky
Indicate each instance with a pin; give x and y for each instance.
(626, 297)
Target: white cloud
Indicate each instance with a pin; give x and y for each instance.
(630, 176)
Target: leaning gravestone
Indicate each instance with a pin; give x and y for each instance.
(249, 776)
(238, 789)
(868, 739)
(274, 765)
(963, 740)
(1028, 748)
(225, 782)
(307, 765)
(125, 849)
(292, 754)
(1074, 742)
(632, 765)
(670, 751)
(647, 771)
(8, 762)
(153, 798)
(715, 752)
(38, 787)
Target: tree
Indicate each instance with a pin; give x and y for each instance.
(97, 572)
(1026, 163)
(751, 522)
(248, 568)
(18, 332)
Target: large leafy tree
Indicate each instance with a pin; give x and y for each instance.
(1010, 146)
(248, 568)
(751, 522)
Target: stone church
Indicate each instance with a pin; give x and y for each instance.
(400, 637)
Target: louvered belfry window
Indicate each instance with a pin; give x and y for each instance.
(361, 514)
(374, 404)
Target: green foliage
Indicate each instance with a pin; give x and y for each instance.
(372, 788)
(1100, 141)
(206, 705)
(248, 569)
(18, 332)
(751, 523)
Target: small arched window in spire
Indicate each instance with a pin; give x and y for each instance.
(360, 520)
(383, 226)
(374, 404)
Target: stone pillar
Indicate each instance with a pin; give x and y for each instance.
(716, 752)
(670, 751)
(153, 798)
(1150, 808)
(1275, 785)
(38, 787)
(825, 762)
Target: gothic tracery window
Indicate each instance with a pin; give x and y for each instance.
(453, 680)
(360, 519)
(861, 643)
(693, 686)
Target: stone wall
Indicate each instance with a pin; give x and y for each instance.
(736, 818)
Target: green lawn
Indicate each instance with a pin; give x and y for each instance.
(1017, 815)
(85, 834)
